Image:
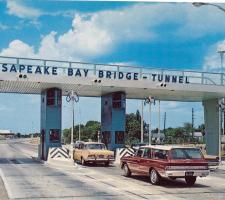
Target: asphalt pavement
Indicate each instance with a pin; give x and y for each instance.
(25, 178)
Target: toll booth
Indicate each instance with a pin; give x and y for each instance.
(113, 118)
(51, 110)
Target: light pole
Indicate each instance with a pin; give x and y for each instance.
(198, 4)
(149, 101)
(142, 119)
(73, 97)
(79, 124)
(159, 124)
(221, 52)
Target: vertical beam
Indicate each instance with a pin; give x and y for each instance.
(212, 126)
(113, 116)
(51, 109)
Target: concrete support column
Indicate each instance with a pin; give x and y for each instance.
(212, 126)
(51, 118)
(113, 116)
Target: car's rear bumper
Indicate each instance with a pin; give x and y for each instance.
(99, 160)
(183, 173)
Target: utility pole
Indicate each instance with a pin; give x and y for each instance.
(192, 123)
(164, 129)
(158, 139)
(142, 119)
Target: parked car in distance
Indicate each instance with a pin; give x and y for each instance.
(76, 144)
(159, 161)
(93, 152)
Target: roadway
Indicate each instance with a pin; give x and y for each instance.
(25, 178)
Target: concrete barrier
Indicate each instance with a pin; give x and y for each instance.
(123, 152)
(59, 156)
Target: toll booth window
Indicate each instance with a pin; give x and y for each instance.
(119, 137)
(117, 97)
(106, 137)
(54, 97)
(51, 97)
(59, 97)
(54, 135)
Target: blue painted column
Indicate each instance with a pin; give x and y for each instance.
(51, 118)
(113, 118)
(212, 126)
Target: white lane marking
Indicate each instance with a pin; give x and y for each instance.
(7, 187)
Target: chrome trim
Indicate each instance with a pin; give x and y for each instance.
(99, 159)
(181, 173)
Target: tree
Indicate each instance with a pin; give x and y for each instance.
(133, 128)
(67, 135)
(87, 131)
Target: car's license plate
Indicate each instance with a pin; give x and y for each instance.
(189, 173)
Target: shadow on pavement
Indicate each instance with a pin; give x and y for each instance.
(97, 165)
(18, 161)
(168, 183)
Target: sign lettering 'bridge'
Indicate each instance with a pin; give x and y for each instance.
(23, 75)
(54, 71)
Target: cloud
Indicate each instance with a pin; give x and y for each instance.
(200, 21)
(95, 34)
(17, 8)
(212, 60)
(99, 33)
(19, 49)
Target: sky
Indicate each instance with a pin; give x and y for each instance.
(161, 35)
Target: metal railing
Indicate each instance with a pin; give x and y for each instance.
(194, 77)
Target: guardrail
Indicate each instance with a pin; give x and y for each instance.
(194, 77)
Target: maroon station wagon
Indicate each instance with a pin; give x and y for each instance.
(157, 161)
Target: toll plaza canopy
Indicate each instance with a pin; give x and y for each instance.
(32, 76)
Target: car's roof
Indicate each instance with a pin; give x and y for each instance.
(167, 147)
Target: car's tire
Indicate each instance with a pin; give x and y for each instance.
(154, 177)
(126, 170)
(173, 178)
(83, 161)
(190, 180)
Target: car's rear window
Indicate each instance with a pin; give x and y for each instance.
(186, 153)
(95, 146)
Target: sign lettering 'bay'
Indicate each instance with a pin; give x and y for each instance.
(81, 72)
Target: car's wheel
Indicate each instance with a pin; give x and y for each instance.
(107, 163)
(154, 177)
(190, 180)
(126, 170)
(173, 178)
(83, 161)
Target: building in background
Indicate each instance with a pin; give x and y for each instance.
(6, 134)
